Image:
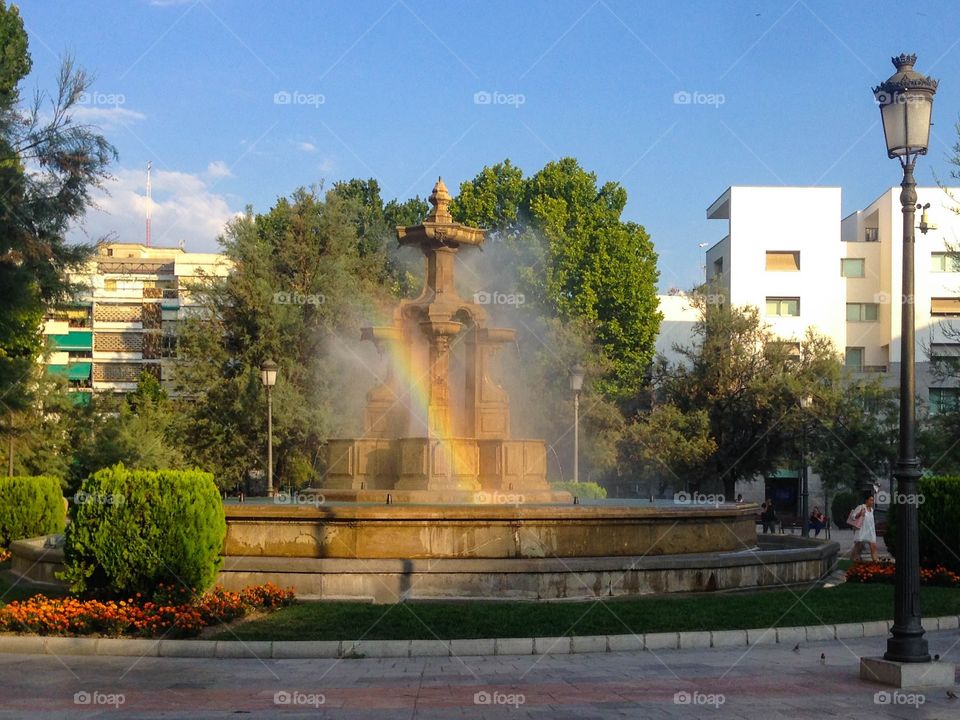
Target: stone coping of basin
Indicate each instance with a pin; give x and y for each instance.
(553, 513)
(329, 649)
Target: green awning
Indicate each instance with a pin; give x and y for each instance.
(73, 371)
(73, 340)
(784, 474)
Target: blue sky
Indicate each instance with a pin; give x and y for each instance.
(779, 94)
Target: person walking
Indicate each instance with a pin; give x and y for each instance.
(861, 518)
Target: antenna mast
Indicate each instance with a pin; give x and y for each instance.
(149, 200)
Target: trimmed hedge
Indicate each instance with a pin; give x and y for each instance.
(29, 507)
(583, 490)
(134, 530)
(841, 505)
(939, 527)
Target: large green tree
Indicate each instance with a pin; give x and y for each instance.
(574, 257)
(49, 165)
(303, 284)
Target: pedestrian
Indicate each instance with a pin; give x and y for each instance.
(768, 517)
(861, 518)
(818, 521)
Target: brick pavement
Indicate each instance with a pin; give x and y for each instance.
(765, 681)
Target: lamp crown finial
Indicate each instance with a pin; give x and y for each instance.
(904, 61)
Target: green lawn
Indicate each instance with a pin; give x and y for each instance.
(428, 620)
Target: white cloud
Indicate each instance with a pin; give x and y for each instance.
(184, 209)
(326, 166)
(107, 117)
(218, 169)
(307, 147)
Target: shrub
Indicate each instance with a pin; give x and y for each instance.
(139, 530)
(939, 530)
(841, 505)
(583, 490)
(30, 506)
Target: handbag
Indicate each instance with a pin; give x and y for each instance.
(852, 520)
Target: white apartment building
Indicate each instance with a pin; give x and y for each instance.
(788, 252)
(124, 320)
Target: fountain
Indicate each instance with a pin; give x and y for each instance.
(417, 445)
(437, 500)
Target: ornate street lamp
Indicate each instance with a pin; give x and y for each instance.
(906, 103)
(806, 403)
(576, 384)
(268, 376)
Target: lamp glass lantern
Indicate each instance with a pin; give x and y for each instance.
(577, 373)
(906, 105)
(268, 373)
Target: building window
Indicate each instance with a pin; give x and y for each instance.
(945, 307)
(871, 235)
(944, 262)
(110, 285)
(718, 266)
(783, 261)
(945, 357)
(852, 267)
(783, 307)
(863, 312)
(944, 400)
(853, 359)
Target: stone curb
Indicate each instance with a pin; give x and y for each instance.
(331, 649)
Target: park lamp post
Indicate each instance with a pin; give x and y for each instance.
(906, 104)
(576, 384)
(806, 404)
(268, 376)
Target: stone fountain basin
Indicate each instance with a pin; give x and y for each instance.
(359, 531)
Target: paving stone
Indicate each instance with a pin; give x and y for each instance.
(376, 648)
(305, 649)
(728, 638)
(694, 640)
(849, 630)
(661, 641)
(791, 635)
(949, 622)
(761, 636)
(625, 643)
(551, 645)
(259, 649)
(479, 646)
(589, 643)
(816, 633)
(70, 646)
(197, 649)
(877, 628)
(128, 647)
(514, 646)
(429, 648)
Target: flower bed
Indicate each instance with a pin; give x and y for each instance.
(136, 616)
(4, 555)
(883, 572)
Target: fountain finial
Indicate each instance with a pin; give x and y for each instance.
(440, 199)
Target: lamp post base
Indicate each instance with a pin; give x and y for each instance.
(907, 674)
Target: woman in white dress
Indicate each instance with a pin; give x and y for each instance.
(867, 532)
